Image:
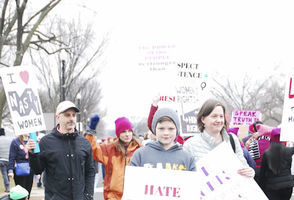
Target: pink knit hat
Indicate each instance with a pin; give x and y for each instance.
(264, 130)
(122, 124)
(233, 130)
(275, 135)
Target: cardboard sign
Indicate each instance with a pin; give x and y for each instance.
(189, 122)
(220, 180)
(23, 99)
(245, 117)
(192, 90)
(288, 112)
(160, 184)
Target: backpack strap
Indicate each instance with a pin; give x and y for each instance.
(232, 142)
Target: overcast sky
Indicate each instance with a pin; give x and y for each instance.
(224, 37)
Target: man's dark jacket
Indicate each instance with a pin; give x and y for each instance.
(68, 164)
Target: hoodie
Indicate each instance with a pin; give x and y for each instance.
(153, 155)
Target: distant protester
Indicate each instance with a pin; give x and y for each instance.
(4, 156)
(19, 159)
(276, 179)
(115, 156)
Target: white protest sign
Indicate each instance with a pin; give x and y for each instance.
(245, 117)
(288, 112)
(23, 99)
(219, 178)
(160, 184)
(192, 90)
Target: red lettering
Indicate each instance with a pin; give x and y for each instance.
(167, 191)
(167, 98)
(236, 113)
(290, 95)
(162, 191)
(176, 192)
(159, 191)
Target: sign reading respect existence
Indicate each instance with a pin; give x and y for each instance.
(181, 83)
(160, 184)
(23, 99)
(245, 117)
(288, 112)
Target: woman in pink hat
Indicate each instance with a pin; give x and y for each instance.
(115, 156)
(275, 171)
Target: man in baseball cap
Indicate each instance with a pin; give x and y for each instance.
(74, 172)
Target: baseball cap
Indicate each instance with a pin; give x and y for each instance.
(65, 105)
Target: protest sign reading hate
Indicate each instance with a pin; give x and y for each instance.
(160, 184)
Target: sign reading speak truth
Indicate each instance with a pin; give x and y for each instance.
(245, 117)
(23, 99)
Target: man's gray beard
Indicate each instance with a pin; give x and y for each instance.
(70, 127)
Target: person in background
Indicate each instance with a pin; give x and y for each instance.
(16, 193)
(164, 152)
(258, 144)
(18, 153)
(4, 156)
(212, 125)
(91, 129)
(153, 109)
(66, 157)
(115, 156)
(246, 154)
(275, 170)
(149, 137)
(39, 176)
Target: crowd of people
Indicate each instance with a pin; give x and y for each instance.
(68, 160)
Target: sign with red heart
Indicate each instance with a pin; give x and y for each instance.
(23, 99)
(24, 75)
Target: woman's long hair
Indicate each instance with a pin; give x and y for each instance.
(21, 139)
(275, 155)
(120, 145)
(205, 110)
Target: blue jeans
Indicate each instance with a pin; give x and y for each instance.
(3, 167)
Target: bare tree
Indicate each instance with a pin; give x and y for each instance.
(81, 75)
(17, 33)
(266, 95)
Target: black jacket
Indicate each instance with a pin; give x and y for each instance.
(268, 180)
(68, 164)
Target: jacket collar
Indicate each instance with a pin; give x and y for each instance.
(73, 135)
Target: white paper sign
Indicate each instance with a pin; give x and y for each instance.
(23, 99)
(160, 184)
(288, 112)
(219, 178)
